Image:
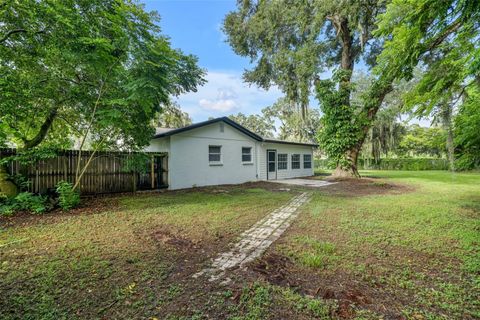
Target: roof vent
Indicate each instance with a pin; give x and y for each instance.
(221, 126)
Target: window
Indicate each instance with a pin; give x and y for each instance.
(282, 161)
(246, 154)
(214, 154)
(295, 161)
(307, 161)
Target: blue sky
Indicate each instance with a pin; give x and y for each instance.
(195, 28)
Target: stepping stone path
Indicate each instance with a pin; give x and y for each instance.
(255, 240)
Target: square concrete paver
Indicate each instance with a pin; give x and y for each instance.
(304, 182)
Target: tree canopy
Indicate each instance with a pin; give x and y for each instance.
(259, 124)
(100, 68)
(292, 44)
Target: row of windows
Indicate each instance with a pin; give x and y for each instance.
(283, 161)
(215, 156)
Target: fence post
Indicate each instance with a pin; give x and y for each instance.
(152, 174)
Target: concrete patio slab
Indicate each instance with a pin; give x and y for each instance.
(304, 182)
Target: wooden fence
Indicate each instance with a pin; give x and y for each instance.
(107, 172)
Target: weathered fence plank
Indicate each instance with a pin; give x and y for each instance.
(106, 173)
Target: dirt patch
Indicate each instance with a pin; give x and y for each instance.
(166, 237)
(275, 269)
(364, 187)
(91, 205)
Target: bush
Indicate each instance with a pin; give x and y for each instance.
(411, 164)
(27, 201)
(67, 197)
(24, 201)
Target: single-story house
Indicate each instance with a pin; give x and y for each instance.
(221, 151)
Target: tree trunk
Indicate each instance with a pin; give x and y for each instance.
(7, 187)
(351, 171)
(447, 113)
(378, 92)
(346, 64)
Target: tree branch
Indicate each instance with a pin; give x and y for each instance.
(42, 133)
(14, 31)
(11, 32)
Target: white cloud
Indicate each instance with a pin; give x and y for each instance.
(223, 105)
(226, 93)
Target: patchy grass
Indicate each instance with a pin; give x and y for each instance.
(396, 245)
(118, 263)
(413, 254)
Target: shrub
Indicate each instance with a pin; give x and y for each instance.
(29, 202)
(67, 197)
(412, 164)
(24, 201)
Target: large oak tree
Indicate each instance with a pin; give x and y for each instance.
(292, 42)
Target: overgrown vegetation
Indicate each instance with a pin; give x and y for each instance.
(24, 201)
(351, 251)
(68, 198)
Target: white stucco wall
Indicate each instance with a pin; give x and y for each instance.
(159, 145)
(188, 164)
(188, 158)
(289, 149)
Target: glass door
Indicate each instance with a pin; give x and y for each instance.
(271, 164)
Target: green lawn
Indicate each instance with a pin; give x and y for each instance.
(116, 262)
(400, 245)
(413, 253)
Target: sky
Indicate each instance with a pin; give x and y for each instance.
(195, 28)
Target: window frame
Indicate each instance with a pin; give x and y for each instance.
(294, 162)
(250, 153)
(310, 161)
(282, 162)
(215, 162)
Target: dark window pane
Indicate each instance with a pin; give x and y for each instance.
(307, 161)
(246, 157)
(271, 167)
(271, 156)
(295, 161)
(213, 157)
(282, 161)
(246, 150)
(214, 149)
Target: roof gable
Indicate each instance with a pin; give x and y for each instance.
(233, 124)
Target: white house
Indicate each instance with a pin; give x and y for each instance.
(220, 151)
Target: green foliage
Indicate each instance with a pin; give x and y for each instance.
(137, 162)
(315, 253)
(24, 201)
(410, 164)
(467, 132)
(67, 197)
(292, 43)
(31, 156)
(172, 116)
(254, 302)
(78, 67)
(30, 202)
(339, 132)
(294, 125)
(260, 124)
(421, 141)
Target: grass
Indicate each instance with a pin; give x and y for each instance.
(404, 245)
(417, 251)
(110, 264)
